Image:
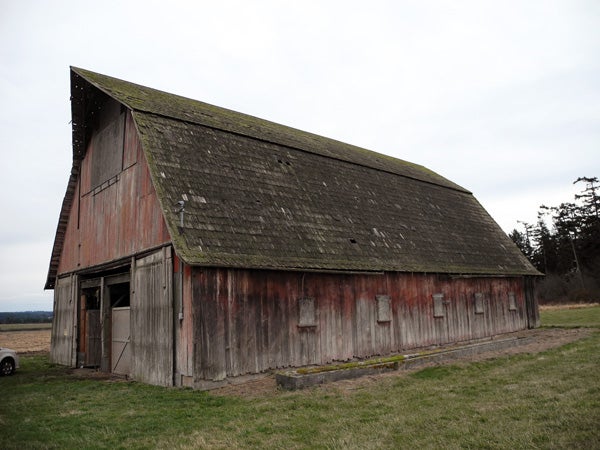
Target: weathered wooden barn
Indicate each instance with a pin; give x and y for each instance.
(196, 244)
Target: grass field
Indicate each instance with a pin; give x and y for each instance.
(25, 326)
(544, 400)
(571, 317)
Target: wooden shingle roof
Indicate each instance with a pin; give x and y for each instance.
(262, 195)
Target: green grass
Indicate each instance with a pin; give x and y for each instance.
(545, 400)
(588, 316)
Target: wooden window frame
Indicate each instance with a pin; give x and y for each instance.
(439, 305)
(307, 312)
(384, 308)
(479, 303)
(512, 301)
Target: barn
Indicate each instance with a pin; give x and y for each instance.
(196, 245)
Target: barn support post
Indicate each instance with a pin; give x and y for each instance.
(74, 302)
(104, 326)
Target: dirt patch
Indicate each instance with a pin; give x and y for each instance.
(544, 339)
(97, 374)
(26, 341)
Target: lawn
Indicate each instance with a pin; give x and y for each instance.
(544, 400)
(571, 317)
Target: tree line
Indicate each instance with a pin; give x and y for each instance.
(26, 317)
(564, 244)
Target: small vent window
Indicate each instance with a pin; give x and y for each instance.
(479, 309)
(512, 301)
(384, 308)
(308, 314)
(438, 305)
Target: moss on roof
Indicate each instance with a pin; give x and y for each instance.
(262, 195)
(144, 99)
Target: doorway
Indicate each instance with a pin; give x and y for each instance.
(120, 329)
(104, 323)
(90, 349)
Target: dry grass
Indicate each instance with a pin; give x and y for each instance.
(25, 341)
(567, 306)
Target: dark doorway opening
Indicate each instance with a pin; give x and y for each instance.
(101, 298)
(90, 342)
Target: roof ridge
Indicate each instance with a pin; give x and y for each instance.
(379, 169)
(261, 129)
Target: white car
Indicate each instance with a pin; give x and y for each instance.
(9, 361)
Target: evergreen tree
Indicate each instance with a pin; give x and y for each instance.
(565, 244)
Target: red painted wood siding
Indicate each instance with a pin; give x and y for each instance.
(246, 321)
(118, 219)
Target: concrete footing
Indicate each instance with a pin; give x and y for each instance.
(302, 378)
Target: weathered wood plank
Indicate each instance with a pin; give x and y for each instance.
(95, 234)
(248, 320)
(152, 319)
(62, 337)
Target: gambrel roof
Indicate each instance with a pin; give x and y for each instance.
(262, 195)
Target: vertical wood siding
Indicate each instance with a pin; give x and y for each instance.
(120, 217)
(247, 321)
(184, 327)
(152, 319)
(63, 322)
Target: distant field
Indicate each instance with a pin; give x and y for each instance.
(24, 326)
(24, 338)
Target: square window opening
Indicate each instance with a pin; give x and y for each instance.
(438, 305)
(479, 303)
(307, 312)
(512, 301)
(384, 308)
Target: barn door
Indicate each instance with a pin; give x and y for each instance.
(90, 327)
(63, 342)
(93, 338)
(120, 350)
(152, 319)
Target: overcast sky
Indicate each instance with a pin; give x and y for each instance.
(501, 97)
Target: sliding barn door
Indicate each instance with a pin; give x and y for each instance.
(62, 347)
(152, 319)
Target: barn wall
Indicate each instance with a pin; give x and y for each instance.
(95, 232)
(249, 321)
